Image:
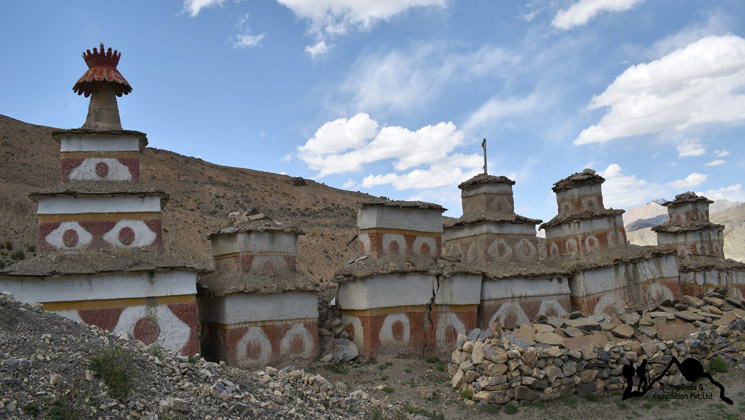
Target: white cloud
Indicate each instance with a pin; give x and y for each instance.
(692, 180)
(450, 170)
(700, 83)
(248, 40)
(349, 184)
(689, 148)
(716, 162)
(245, 39)
(495, 109)
(340, 135)
(401, 80)
(722, 153)
(731, 193)
(193, 7)
(328, 151)
(624, 191)
(336, 17)
(421, 159)
(581, 12)
(317, 50)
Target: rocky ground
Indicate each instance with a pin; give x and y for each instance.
(46, 372)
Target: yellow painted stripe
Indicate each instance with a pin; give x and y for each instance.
(109, 155)
(98, 216)
(384, 311)
(116, 303)
(257, 323)
(400, 232)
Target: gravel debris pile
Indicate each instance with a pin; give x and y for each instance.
(45, 370)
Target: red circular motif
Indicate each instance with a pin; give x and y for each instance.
(126, 235)
(102, 169)
(253, 350)
(393, 248)
(70, 238)
(451, 335)
(268, 268)
(297, 345)
(350, 331)
(397, 329)
(146, 330)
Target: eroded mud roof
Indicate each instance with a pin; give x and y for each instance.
(365, 266)
(403, 204)
(612, 256)
(257, 223)
(490, 216)
(585, 215)
(703, 262)
(218, 284)
(76, 188)
(485, 179)
(579, 179)
(97, 262)
(686, 227)
(686, 197)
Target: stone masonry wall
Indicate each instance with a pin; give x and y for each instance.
(577, 355)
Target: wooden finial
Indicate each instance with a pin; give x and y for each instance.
(483, 146)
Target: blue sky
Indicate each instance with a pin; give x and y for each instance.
(393, 97)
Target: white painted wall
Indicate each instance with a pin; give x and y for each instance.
(460, 289)
(387, 290)
(98, 204)
(513, 288)
(279, 242)
(143, 235)
(415, 219)
(174, 333)
(488, 227)
(100, 286)
(239, 308)
(55, 237)
(81, 143)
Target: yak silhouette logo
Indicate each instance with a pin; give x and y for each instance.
(691, 369)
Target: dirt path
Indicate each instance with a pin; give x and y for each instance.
(422, 390)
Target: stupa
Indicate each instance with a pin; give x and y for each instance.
(100, 236)
(256, 309)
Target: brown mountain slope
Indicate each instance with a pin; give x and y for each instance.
(201, 196)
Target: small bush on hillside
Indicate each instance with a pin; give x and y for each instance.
(111, 365)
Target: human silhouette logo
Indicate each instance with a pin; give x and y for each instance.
(691, 369)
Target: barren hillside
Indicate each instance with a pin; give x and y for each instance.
(201, 196)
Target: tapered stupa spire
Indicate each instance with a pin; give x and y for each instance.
(103, 83)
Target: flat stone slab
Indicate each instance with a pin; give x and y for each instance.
(549, 338)
(675, 330)
(662, 314)
(556, 322)
(631, 318)
(540, 328)
(586, 324)
(725, 319)
(648, 331)
(577, 343)
(689, 316)
(623, 331)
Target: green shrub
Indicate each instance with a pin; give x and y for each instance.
(466, 393)
(112, 365)
(8, 245)
(510, 409)
(388, 390)
(718, 365)
(569, 401)
(592, 398)
(17, 255)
